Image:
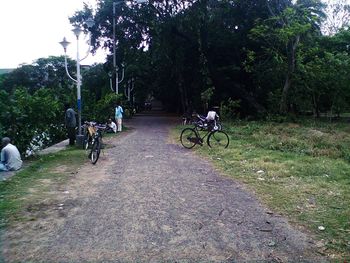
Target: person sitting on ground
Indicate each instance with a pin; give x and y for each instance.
(111, 126)
(10, 156)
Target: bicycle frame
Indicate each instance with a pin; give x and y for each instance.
(191, 136)
(206, 131)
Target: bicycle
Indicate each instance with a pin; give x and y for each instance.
(89, 130)
(203, 124)
(93, 140)
(215, 138)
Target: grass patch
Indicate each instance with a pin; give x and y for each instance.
(39, 181)
(299, 170)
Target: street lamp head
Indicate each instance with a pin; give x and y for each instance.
(77, 30)
(90, 22)
(141, 1)
(64, 44)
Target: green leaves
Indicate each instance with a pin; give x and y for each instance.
(31, 99)
(30, 117)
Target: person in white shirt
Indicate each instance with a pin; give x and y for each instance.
(10, 156)
(211, 116)
(119, 116)
(112, 126)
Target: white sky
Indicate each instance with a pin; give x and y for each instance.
(31, 29)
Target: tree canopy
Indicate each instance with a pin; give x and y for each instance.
(204, 52)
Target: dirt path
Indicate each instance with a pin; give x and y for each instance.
(147, 200)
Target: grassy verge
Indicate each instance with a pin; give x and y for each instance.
(39, 182)
(36, 183)
(299, 170)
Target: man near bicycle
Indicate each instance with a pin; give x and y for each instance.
(70, 123)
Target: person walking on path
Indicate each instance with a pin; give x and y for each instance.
(119, 116)
(10, 156)
(70, 122)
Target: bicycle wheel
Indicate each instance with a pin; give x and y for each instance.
(189, 138)
(87, 141)
(218, 139)
(95, 151)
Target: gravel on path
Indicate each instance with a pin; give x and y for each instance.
(147, 200)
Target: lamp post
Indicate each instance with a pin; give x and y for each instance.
(77, 31)
(115, 68)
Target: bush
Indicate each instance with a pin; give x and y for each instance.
(230, 109)
(32, 121)
(104, 108)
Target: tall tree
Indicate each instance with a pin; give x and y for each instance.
(281, 35)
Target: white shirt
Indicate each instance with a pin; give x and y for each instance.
(113, 126)
(211, 115)
(11, 157)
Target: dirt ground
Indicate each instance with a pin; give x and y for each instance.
(148, 200)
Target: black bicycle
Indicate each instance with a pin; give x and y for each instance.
(93, 140)
(215, 138)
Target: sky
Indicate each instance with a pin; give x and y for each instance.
(31, 29)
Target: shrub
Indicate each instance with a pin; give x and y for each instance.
(230, 109)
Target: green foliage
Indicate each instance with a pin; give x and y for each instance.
(95, 84)
(206, 96)
(32, 99)
(105, 108)
(230, 109)
(25, 122)
(281, 36)
(322, 81)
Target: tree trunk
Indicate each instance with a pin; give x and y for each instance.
(183, 95)
(291, 48)
(284, 97)
(316, 107)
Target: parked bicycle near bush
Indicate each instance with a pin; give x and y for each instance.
(93, 140)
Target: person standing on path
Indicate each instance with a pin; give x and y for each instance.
(119, 116)
(70, 122)
(10, 156)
